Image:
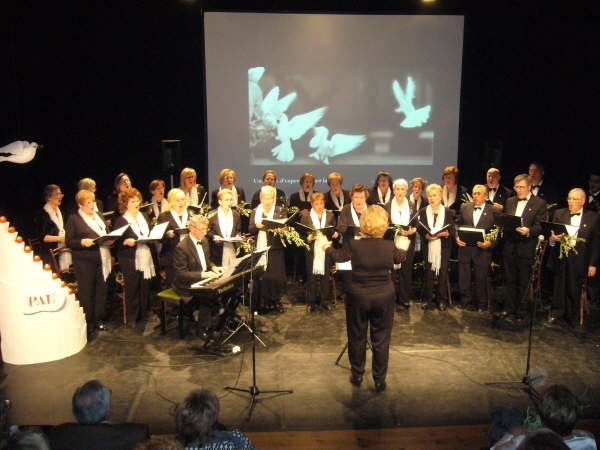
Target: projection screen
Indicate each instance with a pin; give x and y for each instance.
(320, 93)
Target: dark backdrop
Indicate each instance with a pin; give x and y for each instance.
(100, 86)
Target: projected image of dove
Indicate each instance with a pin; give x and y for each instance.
(351, 93)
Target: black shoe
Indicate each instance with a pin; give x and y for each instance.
(278, 308)
(426, 305)
(313, 308)
(443, 307)
(356, 380)
(327, 308)
(380, 386)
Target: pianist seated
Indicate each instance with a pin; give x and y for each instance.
(192, 263)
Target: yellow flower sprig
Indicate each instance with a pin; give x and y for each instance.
(289, 235)
(244, 208)
(567, 245)
(493, 235)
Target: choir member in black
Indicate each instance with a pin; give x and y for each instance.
(497, 193)
(317, 266)
(418, 200)
(519, 244)
(158, 202)
(453, 194)
(401, 211)
(50, 227)
(269, 178)
(336, 197)
(540, 187)
(572, 269)
(224, 223)
(272, 283)
(91, 262)
(436, 247)
(296, 256)
(593, 194)
(369, 294)
(192, 263)
(177, 215)
(111, 204)
(227, 179)
(135, 259)
(474, 259)
(89, 184)
(349, 220)
(194, 192)
(381, 192)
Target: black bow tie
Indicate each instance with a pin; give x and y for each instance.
(574, 214)
(492, 189)
(198, 242)
(522, 199)
(477, 208)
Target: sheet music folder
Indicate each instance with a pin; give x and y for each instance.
(471, 235)
(112, 236)
(271, 224)
(509, 221)
(241, 264)
(435, 230)
(156, 233)
(558, 228)
(307, 229)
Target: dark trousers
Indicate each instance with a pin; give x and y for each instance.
(441, 290)
(91, 290)
(318, 284)
(473, 266)
(568, 284)
(517, 274)
(137, 293)
(376, 310)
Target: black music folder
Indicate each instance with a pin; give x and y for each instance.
(307, 230)
(112, 237)
(435, 230)
(558, 228)
(509, 221)
(471, 235)
(272, 224)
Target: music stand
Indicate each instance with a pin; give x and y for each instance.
(253, 390)
(244, 264)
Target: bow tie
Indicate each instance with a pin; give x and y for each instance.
(523, 199)
(477, 208)
(198, 242)
(492, 189)
(574, 214)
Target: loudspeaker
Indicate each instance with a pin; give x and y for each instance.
(171, 155)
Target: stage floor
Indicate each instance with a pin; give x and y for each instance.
(446, 368)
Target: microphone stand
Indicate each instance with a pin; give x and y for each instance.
(253, 390)
(532, 290)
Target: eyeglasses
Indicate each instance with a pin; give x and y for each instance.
(522, 186)
(58, 194)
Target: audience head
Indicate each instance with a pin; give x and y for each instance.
(374, 221)
(128, 198)
(30, 439)
(358, 196)
(450, 176)
(543, 440)
(187, 178)
(522, 185)
(493, 177)
(86, 183)
(559, 409)
(91, 403)
(196, 417)
(227, 178)
(122, 182)
(269, 177)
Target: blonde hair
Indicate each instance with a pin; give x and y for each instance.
(186, 172)
(374, 221)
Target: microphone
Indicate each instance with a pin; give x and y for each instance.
(540, 239)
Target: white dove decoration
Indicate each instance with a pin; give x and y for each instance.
(255, 95)
(414, 117)
(273, 107)
(292, 130)
(18, 152)
(337, 145)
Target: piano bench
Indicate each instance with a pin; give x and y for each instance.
(170, 296)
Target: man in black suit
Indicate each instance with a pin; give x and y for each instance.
(192, 263)
(519, 250)
(593, 194)
(91, 407)
(497, 193)
(571, 270)
(539, 186)
(475, 257)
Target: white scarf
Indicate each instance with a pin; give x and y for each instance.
(355, 216)
(383, 199)
(261, 238)
(143, 256)
(192, 196)
(98, 226)
(226, 226)
(400, 214)
(449, 197)
(319, 253)
(434, 254)
(164, 205)
(64, 259)
(304, 197)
